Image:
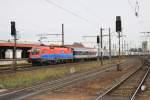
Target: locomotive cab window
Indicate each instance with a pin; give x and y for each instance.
(44, 51)
(35, 51)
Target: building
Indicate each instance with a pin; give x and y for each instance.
(22, 50)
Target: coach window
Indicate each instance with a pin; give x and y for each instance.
(35, 51)
(87, 53)
(78, 53)
(81, 53)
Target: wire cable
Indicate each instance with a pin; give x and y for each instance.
(131, 6)
(66, 10)
(90, 10)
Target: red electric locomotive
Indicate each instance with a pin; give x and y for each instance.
(47, 55)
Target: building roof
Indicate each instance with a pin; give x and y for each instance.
(10, 44)
(76, 45)
(30, 45)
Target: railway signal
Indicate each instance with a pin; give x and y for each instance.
(118, 30)
(118, 24)
(97, 39)
(101, 35)
(98, 42)
(13, 33)
(13, 28)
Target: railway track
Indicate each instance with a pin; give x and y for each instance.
(128, 87)
(7, 69)
(30, 67)
(145, 93)
(139, 86)
(56, 84)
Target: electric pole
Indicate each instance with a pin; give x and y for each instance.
(123, 43)
(122, 47)
(43, 36)
(119, 51)
(100, 52)
(101, 35)
(62, 34)
(110, 45)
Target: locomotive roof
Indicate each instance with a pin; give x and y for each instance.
(79, 47)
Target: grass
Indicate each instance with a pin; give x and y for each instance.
(29, 78)
(19, 64)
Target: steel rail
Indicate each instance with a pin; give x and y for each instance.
(116, 85)
(76, 75)
(57, 83)
(29, 67)
(62, 84)
(24, 67)
(52, 85)
(142, 81)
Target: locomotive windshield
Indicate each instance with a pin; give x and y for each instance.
(35, 51)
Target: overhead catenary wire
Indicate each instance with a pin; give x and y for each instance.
(136, 10)
(131, 6)
(67, 10)
(90, 10)
(138, 15)
(71, 12)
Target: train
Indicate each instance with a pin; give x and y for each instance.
(60, 54)
(63, 54)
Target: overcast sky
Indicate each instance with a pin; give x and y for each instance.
(80, 18)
